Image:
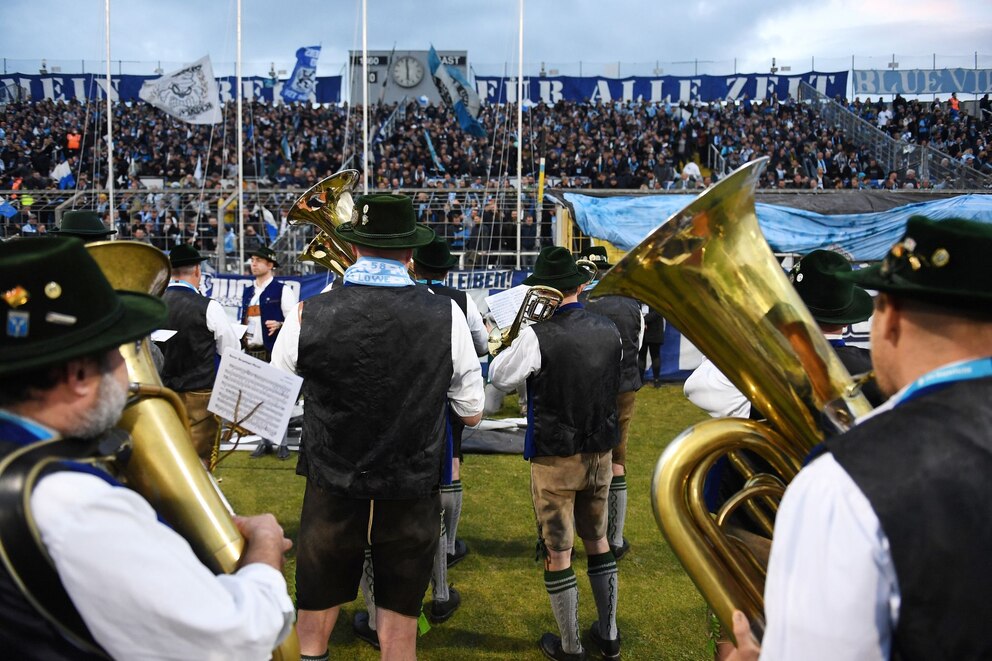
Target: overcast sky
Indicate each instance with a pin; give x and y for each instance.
(721, 34)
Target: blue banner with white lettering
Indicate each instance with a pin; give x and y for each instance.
(303, 83)
(923, 81)
(62, 87)
(659, 89)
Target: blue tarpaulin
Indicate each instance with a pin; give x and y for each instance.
(625, 221)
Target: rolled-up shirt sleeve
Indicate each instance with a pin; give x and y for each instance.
(465, 392)
(140, 588)
(286, 347)
(220, 326)
(512, 366)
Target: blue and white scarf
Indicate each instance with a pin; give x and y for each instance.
(377, 272)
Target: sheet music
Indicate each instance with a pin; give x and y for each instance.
(257, 383)
(505, 305)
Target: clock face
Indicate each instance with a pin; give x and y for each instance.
(407, 71)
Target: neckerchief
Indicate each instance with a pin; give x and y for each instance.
(377, 272)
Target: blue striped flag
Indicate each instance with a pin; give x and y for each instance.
(457, 93)
(303, 84)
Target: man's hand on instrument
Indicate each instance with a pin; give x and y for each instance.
(265, 540)
(747, 646)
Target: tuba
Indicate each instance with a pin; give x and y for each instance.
(164, 466)
(327, 204)
(710, 272)
(540, 303)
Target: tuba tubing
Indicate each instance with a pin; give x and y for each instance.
(709, 271)
(164, 467)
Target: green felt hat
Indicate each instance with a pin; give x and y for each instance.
(185, 255)
(268, 253)
(86, 225)
(385, 221)
(555, 267)
(829, 299)
(945, 262)
(435, 256)
(56, 305)
(598, 256)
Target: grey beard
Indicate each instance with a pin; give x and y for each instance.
(110, 401)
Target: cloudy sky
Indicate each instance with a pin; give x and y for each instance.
(711, 36)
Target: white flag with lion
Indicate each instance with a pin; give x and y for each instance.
(190, 94)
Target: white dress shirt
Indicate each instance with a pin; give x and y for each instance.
(287, 303)
(711, 390)
(138, 585)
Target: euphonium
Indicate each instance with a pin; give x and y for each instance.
(327, 204)
(710, 272)
(164, 466)
(539, 303)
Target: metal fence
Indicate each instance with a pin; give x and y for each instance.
(929, 163)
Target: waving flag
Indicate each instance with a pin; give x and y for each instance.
(456, 92)
(190, 94)
(303, 84)
(63, 174)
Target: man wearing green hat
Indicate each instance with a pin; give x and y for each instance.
(265, 305)
(625, 313)
(191, 356)
(882, 542)
(571, 364)
(84, 225)
(89, 571)
(374, 428)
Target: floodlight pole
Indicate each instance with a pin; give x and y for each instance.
(520, 124)
(110, 123)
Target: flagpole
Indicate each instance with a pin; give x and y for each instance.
(520, 126)
(110, 124)
(365, 97)
(241, 174)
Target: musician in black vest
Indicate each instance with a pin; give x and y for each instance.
(89, 570)
(571, 364)
(373, 428)
(882, 543)
(203, 333)
(625, 312)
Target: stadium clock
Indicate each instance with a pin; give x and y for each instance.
(407, 71)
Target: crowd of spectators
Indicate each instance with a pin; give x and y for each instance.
(620, 145)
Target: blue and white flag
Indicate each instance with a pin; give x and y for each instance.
(303, 85)
(190, 94)
(456, 92)
(63, 174)
(7, 210)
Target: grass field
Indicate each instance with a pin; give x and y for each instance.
(505, 607)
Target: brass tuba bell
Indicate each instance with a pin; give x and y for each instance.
(327, 204)
(164, 466)
(710, 272)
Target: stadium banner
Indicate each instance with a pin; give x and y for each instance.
(83, 86)
(672, 89)
(923, 81)
(189, 94)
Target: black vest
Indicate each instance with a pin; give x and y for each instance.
(625, 312)
(376, 365)
(189, 354)
(925, 468)
(24, 633)
(574, 395)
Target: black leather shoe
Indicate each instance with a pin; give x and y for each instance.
(550, 644)
(282, 452)
(620, 551)
(360, 625)
(441, 611)
(461, 550)
(263, 448)
(610, 649)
